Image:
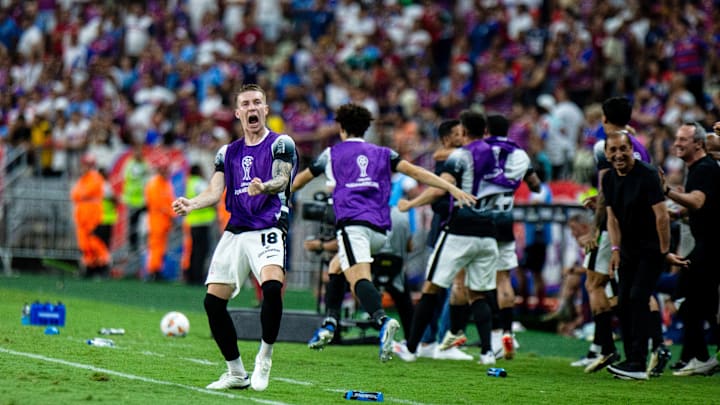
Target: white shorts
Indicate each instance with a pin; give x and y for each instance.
(236, 254)
(507, 256)
(477, 255)
(358, 244)
(599, 260)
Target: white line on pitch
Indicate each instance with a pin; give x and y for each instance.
(307, 383)
(135, 377)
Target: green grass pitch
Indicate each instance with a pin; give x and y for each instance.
(148, 368)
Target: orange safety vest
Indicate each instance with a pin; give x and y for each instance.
(87, 195)
(158, 197)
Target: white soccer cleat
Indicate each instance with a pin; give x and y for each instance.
(401, 351)
(322, 337)
(697, 367)
(452, 353)
(427, 350)
(508, 345)
(230, 381)
(487, 358)
(583, 362)
(387, 338)
(452, 340)
(261, 375)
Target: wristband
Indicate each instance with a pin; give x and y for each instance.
(615, 248)
(665, 253)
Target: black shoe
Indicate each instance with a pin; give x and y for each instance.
(602, 361)
(659, 359)
(678, 365)
(629, 371)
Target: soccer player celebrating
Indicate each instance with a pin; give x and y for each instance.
(361, 173)
(257, 171)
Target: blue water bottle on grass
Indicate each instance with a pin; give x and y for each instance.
(364, 396)
(496, 372)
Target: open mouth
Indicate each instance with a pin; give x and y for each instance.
(253, 119)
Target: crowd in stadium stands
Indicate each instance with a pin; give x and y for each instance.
(94, 75)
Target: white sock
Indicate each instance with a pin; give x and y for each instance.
(265, 349)
(236, 367)
(595, 348)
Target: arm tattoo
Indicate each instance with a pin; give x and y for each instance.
(281, 177)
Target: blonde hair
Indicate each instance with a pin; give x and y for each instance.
(250, 87)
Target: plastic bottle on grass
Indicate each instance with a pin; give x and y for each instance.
(364, 396)
(100, 342)
(112, 331)
(496, 372)
(25, 319)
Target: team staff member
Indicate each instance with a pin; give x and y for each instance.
(639, 229)
(257, 171)
(700, 280)
(617, 112)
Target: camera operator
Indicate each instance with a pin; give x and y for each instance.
(324, 243)
(320, 210)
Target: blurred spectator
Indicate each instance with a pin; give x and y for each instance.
(151, 68)
(76, 136)
(561, 143)
(537, 238)
(136, 25)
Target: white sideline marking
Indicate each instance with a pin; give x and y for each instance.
(307, 383)
(291, 381)
(136, 377)
(199, 361)
(189, 387)
(190, 359)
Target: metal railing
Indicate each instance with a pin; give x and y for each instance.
(35, 219)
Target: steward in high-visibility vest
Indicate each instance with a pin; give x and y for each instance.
(135, 176)
(195, 185)
(109, 212)
(201, 223)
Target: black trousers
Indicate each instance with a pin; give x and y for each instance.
(638, 273)
(386, 270)
(134, 228)
(701, 302)
(200, 249)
